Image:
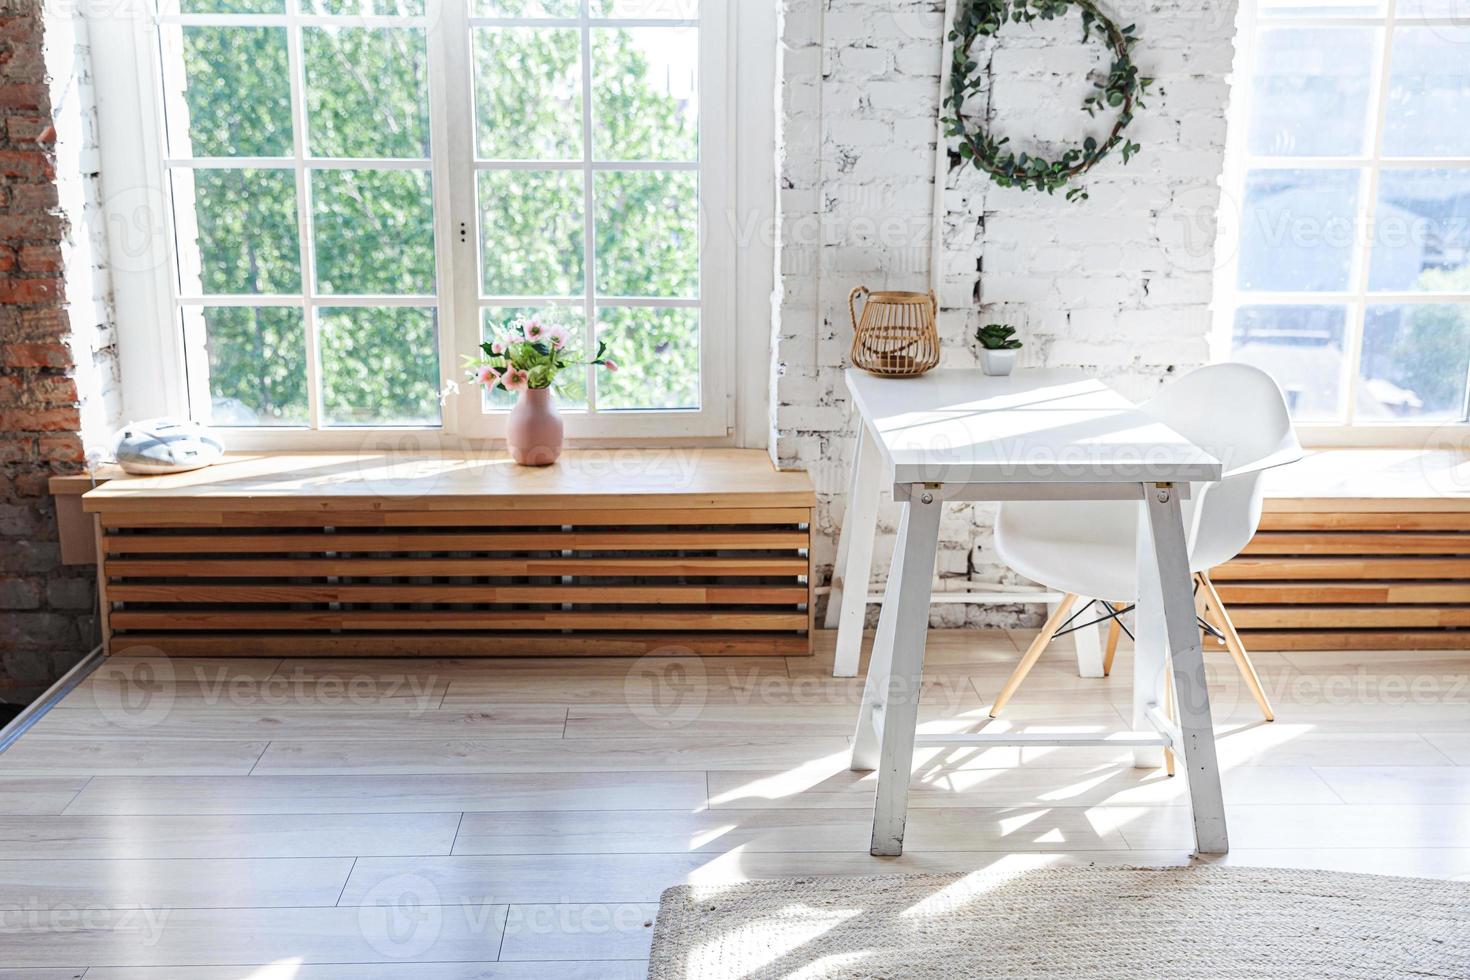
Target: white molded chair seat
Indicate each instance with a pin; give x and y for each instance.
(1236, 413)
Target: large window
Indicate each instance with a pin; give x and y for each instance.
(357, 192)
(1349, 266)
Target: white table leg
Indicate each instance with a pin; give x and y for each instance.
(1168, 587)
(848, 601)
(918, 540)
(1089, 643)
(880, 665)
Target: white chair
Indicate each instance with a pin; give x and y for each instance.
(1234, 412)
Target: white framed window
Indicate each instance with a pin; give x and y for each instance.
(1346, 230)
(345, 197)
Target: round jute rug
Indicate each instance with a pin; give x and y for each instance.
(1198, 923)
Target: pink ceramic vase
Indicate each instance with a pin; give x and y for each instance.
(534, 430)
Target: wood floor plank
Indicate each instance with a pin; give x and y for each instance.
(38, 794)
(1422, 786)
(544, 755)
(555, 970)
(131, 683)
(667, 775)
(1021, 786)
(717, 831)
(140, 756)
(224, 722)
(1279, 827)
(598, 721)
(202, 883)
(233, 835)
(392, 793)
(189, 937)
(533, 878)
(1455, 745)
(596, 931)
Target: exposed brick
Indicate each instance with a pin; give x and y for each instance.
(28, 164)
(36, 355)
(40, 419)
(40, 258)
(19, 593)
(39, 200)
(71, 593)
(29, 291)
(63, 448)
(26, 128)
(30, 557)
(23, 96)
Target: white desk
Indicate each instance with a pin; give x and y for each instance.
(1038, 435)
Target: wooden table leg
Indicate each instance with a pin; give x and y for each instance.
(1165, 584)
(918, 540)
(848, 601)
(880, 665)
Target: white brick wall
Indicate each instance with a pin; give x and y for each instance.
(84, 253)
(1119, 284)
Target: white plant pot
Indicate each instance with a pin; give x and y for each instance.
(997, 363)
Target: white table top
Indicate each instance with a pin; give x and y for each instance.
(1040, 426)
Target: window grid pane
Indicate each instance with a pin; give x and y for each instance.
(1364, 361)
(294, 93)
(589, 233)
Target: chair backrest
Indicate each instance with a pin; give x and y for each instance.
(1237, 414)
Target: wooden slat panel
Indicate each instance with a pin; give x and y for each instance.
(1342, 568)
(1366, 543)
(187, 592)
(1337, 593)
(1347, 617)
(1348, 521)
(589, 644)
(117, 544)
(168, 518)
(1357, 640)
(122, 568)
(183, 619)
(371, 479)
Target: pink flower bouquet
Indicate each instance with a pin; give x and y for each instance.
(528, 352)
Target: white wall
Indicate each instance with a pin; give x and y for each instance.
(1120, 284)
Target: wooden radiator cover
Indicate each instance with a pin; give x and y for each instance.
(311, 555)
(1354, 573)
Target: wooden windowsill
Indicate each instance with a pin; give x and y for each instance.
(326, 481)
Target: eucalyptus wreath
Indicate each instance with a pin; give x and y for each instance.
(1122, 89)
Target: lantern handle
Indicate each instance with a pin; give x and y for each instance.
(852, 301)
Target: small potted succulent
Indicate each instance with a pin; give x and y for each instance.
(998, 346)
(525, 356)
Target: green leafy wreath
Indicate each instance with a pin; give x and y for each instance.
(1122, 90)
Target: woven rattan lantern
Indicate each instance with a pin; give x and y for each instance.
(896, 336)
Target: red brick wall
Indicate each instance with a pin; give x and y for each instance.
(46, 619)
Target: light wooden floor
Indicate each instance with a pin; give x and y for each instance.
(303, 819)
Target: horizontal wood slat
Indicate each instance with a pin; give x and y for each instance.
(460, 594)
(466, 518)
(503, 644)
(1347, 617)
(1336, 593)
(1350, 574)
(1313, 569)
(694, 540)
(1357, 543)
(605, 554)
(663, 567)
(451, 619)
(1347, 521)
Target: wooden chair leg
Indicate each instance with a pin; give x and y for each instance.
(1115, 632)
(1233, 643)
(1169, 712)
(1033, 653)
